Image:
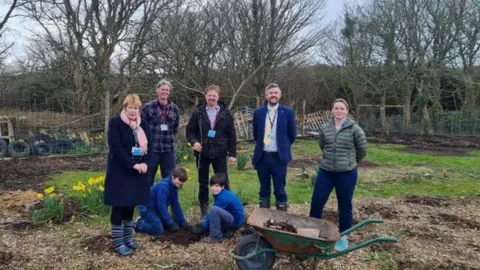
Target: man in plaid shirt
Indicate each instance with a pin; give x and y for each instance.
(163, 118)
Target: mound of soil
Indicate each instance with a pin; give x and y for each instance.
(437, 140)
(30, 173)
(182, 237)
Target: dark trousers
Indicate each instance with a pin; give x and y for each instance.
(120, 214)
(220, 221)
(270, 167)
(203, 165)
(344, 184)
(165, 160)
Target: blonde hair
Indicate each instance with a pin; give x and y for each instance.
(212, 87)
(132, 99)
(340, 100)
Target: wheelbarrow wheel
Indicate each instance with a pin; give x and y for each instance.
(250, 244)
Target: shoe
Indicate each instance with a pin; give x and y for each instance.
(210, 240)
(341, 244)
(265, 203)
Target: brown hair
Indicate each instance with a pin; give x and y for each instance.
(271, 85)
(132, 99)
(212, 87)
(341, 100)
(181, 174)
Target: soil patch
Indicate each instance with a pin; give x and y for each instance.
(378, 210)
(183, 237)
(97, 244)
(431, 201)
(437, 151)
(30, 173)
(367, 164)
(437, 140)
(305, 162)
(455, 222)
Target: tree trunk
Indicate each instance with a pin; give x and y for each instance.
(407, 111)
(107, 116)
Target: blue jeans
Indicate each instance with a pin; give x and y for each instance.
(220, 221)
(166, 161)
(344, 184)
(150, 222)
(270, 167)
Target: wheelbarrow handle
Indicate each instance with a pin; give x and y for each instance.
(360, 225)
(359, 246)
(246, 257)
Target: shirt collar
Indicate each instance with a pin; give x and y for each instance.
(216, 108)
(274, 107)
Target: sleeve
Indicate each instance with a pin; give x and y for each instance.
(360, 141)
(177, 210)
(144, 113)
(292, 127)
(177, 120)
(231, 137)
(254, 125)
(191, 128)
(116, 148)
(321, 141)
(162, 205)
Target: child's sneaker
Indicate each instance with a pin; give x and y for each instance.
(341, 244)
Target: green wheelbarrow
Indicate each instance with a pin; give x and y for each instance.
(300, 235)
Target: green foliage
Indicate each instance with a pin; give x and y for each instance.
(51, 209)
(242, 161)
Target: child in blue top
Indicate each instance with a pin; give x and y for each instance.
(227, 212)
(154, 217)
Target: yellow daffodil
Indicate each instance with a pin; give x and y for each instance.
(91, 181)
(189, 145)
(49, 190)
(100, 180)
(185, 157)
(53, 196)
(40, 196)
(79, 187)
(73, 218)
(101, 188)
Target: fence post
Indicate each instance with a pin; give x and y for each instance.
(257, 98)
(196, 101)
(304, 109)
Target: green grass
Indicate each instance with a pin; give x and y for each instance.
(402, 177)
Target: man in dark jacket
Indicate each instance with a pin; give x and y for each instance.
(211, 132)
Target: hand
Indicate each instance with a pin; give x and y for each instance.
(198, 230)
(138, 167)
(232, 160)
(174, 228)
(143, 167)
(197, 147)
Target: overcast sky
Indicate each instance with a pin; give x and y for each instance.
(19, 33)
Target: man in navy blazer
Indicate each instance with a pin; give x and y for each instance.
(274, 131)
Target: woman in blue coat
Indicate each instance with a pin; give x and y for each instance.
(126, 183)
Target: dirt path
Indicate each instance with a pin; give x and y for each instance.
(434, 233)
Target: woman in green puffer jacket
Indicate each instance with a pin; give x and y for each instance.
(343, 145)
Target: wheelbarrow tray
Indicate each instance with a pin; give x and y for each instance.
(284, 241)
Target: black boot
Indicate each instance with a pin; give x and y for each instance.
(282, 206)
(265, 203)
